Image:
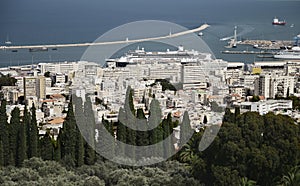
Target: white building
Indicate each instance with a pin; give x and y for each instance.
(263, 107)
(272, 85)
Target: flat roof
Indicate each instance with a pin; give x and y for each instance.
(270, 63)
(235, 64)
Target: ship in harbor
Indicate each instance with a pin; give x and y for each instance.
(8, 42)
(276, 21)
(293, 53)
(287, 55)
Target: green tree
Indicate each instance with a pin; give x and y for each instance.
(142, 137)
(4, 133)
(131, 140)
(21, 145)
(225, 176)
(33, 136)
(292, 178)
(89, 145)
(237, 112)
(205, 119)
(80, 150)
(130, 133)
(68, 137)
(120, 134)
(1, 154)
(13, 133)
(260, 148)
(156, 133)
(185, 129)
(129, 99)
(7, 80)
(110, 142)
(57, 150)
(167, 135)
(228, 116)
(47, 74)
(246, 182)
(46, 147)
(255, 98)
(26, 122)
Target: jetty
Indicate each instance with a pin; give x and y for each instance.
(247, 52)
(46, 46)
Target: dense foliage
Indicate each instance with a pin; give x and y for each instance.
(7, 80)
(260, 149)
(249, 150)
(20, 140)
(38, 172)
(166, 85)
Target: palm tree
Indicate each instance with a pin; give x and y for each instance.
(292, 178)
(186, 154)
(246, 182)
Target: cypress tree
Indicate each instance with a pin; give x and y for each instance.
(4, 134)
(33, 136)
(108, 140)
(142, 137)
(205, 119)
(1, 154)
(131, 140)
(155, 134)
(21, 143)
(228, 116)
(57, 150)
(121, 134)
(81, 127)
(185, 129)
(237, 112)
(13, 134)
(130, 100)
(68, 137)
(166, 132)
(79, 150)
(26, 123)
(89, 147)
(46, 147)
(131, 134)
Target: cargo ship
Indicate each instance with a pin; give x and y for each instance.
(277, 22)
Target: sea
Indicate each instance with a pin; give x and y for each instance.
(33, 22)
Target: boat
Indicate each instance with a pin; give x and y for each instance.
(287, 55)
(296, 49)
(200, 34)
(277, 22)
(14, 50)
(8, 42)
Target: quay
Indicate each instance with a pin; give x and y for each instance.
(247, 52)
(31, 47)
(268, 44)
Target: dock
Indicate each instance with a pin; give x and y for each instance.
(268, 44)
(247, 52)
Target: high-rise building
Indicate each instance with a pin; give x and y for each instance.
(271, 86)
(34, 86)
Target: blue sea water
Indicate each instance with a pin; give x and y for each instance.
(76, 21)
